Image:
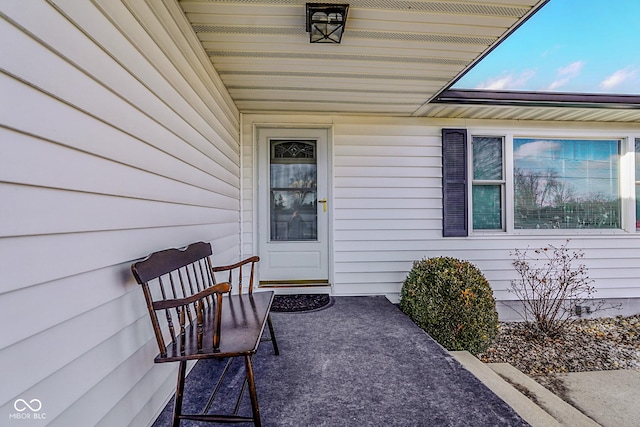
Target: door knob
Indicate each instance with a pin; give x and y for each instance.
(324, 204)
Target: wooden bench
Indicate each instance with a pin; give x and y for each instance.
(203, 319)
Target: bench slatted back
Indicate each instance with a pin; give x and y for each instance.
(170, 280)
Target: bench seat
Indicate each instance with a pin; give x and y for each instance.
(243, 320)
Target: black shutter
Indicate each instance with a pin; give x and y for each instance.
(454, 182)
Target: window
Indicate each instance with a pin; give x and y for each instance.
(293, 176)
(566, 184)
(637, 184)
(534, 183)
(487, 191)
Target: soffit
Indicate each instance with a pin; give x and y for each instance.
(514, 105)
(542, 113)
(395, 55)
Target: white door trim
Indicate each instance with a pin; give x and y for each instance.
(257, 158)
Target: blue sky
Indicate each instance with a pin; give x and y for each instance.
(584, 46)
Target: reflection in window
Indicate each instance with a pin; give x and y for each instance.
(566, 184)
(293, 176)
(488, 183)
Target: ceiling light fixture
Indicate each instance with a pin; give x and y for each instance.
(325, 22)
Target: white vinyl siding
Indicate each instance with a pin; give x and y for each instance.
(118, 139)
(387, 181)
(108, 154)
(387, 206)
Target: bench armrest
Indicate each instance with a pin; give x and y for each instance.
(198, 302)
(220, 288)
(254, 258)
(239, 268)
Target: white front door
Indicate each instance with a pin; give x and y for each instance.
(293, 206)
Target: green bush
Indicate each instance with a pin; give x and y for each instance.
(452, 301)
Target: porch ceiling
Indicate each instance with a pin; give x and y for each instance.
(395, 56)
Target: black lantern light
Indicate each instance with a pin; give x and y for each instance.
(325, 22)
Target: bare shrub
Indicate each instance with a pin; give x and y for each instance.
(552, 283)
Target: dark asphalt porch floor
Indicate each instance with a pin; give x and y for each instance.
(359, 362)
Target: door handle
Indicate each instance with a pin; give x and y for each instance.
(324, 204)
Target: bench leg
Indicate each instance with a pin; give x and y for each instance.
(273, 335)
(252, 391)
(177, 407)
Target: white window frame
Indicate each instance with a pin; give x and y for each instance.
(502, 183)
(627, 181)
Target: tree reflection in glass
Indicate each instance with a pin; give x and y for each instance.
(293, 185)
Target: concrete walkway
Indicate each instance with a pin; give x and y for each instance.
(612, 398)
(360, 362)
(601, 398)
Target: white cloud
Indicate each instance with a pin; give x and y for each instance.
(536, 149)
(572, 69)
(557, 83)
(565, 74)
(508, 81)
(618, 78)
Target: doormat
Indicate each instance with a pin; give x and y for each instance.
(300, 302)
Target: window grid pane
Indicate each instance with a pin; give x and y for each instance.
(487, 158)
(487, 207)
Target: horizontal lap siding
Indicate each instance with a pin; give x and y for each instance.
(112, 147)
(387, 211)
(387, 199)
(612, 262)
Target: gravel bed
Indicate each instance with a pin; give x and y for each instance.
(587, 345)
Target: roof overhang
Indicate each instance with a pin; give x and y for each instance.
(537, 99)
(536, 106)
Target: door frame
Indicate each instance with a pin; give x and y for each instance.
(257, 127)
